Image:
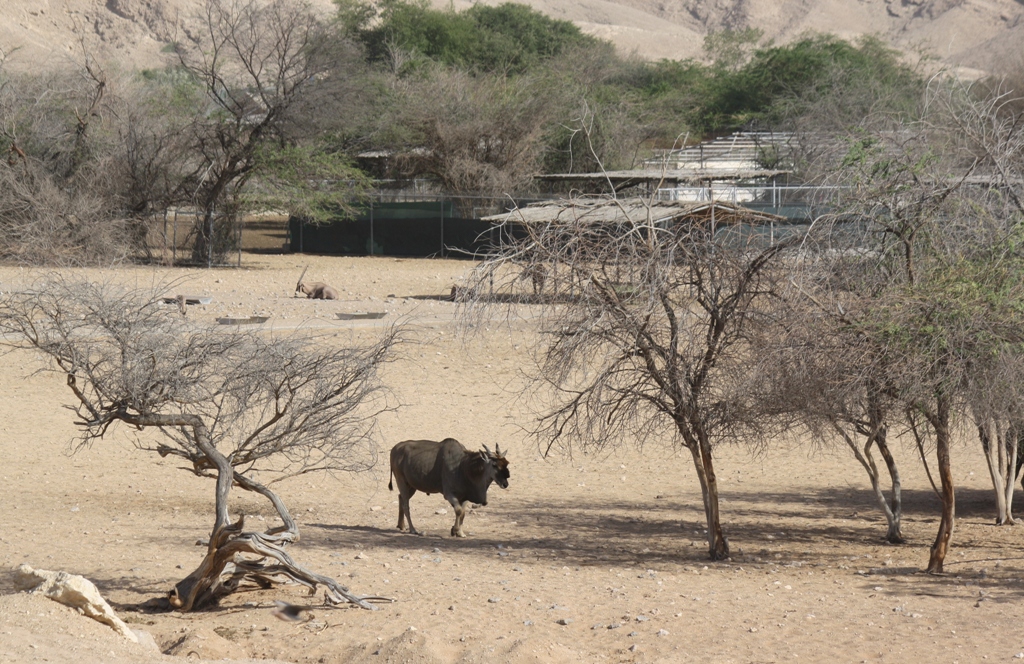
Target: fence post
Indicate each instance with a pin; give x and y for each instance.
(209, 244)
(442, 226)
(240, 229)
(371, 228)
(164, 256)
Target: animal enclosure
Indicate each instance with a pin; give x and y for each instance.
(590, 541)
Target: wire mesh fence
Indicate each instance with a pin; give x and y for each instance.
(412, 223)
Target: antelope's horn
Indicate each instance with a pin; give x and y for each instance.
(299, 284)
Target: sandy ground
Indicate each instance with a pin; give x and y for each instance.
(612, 546)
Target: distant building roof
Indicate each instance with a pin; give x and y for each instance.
(605, 210)
(667, 177)
(740, 150)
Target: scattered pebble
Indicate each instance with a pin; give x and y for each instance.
(494, 600)
(662, 632)
(527, 622)
(441, 511)
(632, 634)
(361, 556)
(642, 618)
(564, 621)
(597, 626)
(376, 508)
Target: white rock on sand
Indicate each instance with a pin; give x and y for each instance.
(72, 590)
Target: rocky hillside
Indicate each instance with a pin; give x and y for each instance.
(976, 35)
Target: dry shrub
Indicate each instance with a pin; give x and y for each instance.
(45, 223)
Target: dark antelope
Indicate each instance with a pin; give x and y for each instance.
(447, 468)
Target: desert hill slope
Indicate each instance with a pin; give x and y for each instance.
(985, 35)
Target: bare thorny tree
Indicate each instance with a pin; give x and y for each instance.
(646, 315)
(54, 184)
(244, 408)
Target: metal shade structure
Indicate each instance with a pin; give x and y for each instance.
(660, 177)
(636, 210)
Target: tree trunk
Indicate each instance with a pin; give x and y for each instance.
(878, 434)
(718, 545)
(867, 461)
(208, 238)
(940, 423)
(1000, 448)
(895, 533)
(203, 248)
(1012, 450)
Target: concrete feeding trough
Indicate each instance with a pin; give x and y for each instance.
(189, 299)
(361, 315)
(251, 320)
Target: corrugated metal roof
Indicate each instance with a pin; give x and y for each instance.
(633, 209)
(656, 175)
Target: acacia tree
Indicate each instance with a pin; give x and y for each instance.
(994, 403)
(829, 381)
(474, 134)
(646, 325)
(243, 408)
(257, 62)
(918, 273)
(987, 122)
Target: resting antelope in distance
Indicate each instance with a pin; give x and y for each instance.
(316, 290)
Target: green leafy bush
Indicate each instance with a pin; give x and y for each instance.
(508, 38)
